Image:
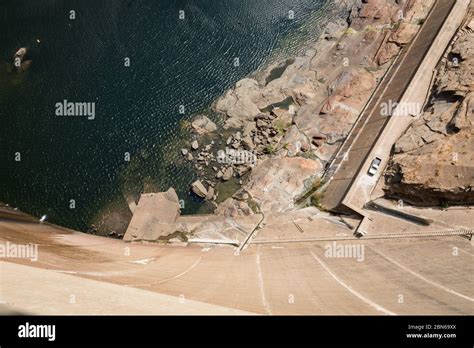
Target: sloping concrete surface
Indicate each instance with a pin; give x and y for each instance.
(154, 216)
(110, 276)
(64, 293)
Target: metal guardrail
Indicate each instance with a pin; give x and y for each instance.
(235, 243)
(406, 235)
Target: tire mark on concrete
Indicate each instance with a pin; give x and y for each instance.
(421, 277)
(260, 284)
(350, 289)
(171, 278)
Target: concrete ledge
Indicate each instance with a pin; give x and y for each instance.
(400, 214)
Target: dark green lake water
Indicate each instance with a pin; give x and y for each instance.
(173, 62)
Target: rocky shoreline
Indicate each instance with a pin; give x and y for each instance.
(279, 132)
(286, 126)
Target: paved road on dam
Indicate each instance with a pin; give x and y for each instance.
(371, 123)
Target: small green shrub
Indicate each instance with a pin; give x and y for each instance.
(270, 150)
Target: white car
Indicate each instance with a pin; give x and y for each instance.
(374, 167)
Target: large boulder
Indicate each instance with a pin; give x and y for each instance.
(434, 174)
(351, 88)
(228, 173)
(350, 91)
(458, 76)
(404, 33)
(201, 125)
(154, 217)
(433, 161)
(418, 11)
(238, 103)
(198, 188)
(294, 141)
(275, 183)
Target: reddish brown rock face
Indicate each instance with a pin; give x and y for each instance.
(375, 12)
(434, 160)
(276, 183)
(388, 52)
(404, 34)
(371, 9)
(350, 90)
(398, 39)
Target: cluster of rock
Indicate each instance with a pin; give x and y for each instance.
(292, 125)
(405, 16)
(213, 164)
(201, 155)
(381, 12)
(434, 160)
(202, 158)
(202, 125)
(307, 111)
(157, 219)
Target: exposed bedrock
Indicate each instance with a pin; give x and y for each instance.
(433, 162)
